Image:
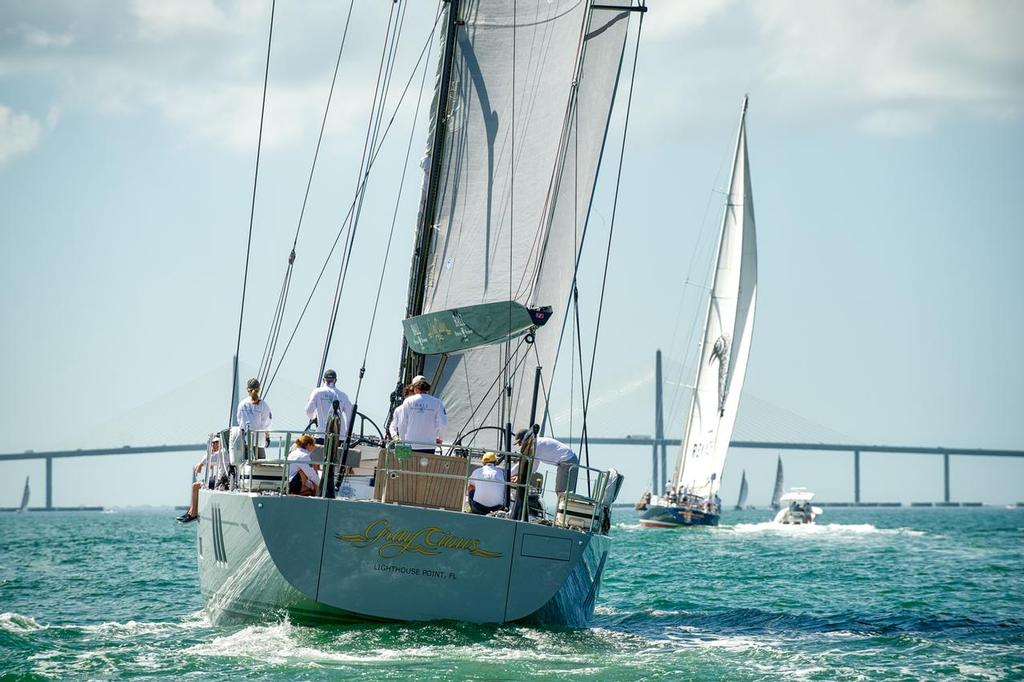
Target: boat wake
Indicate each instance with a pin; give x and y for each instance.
(820, 529)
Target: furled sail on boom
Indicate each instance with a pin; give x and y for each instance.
(513, 191)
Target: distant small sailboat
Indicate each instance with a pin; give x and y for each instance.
(24, 498)
(741, 502)
(777, 491)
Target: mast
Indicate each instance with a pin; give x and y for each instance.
(412, 362)
(688, 436)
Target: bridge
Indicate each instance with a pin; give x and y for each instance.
(658, 445)
(760, 426)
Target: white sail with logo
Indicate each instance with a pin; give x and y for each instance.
(531, 96)
(726, 342)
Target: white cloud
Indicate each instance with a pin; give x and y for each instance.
(19, 133)
(674, 19)
(908, 64)
(161, 19)
(34, 37)
(896, 122)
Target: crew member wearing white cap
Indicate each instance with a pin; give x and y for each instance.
(216, 473)
(254, 414)
(554, 452)
(321, 404)
(421, 419)
(487, 486)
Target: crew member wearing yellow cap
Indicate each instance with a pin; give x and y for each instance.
(487, 486)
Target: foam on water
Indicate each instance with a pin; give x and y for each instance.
(834, 529)
(870, 595)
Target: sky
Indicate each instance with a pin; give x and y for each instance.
(885, 142)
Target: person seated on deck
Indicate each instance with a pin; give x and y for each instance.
(421, 419)
(303, 475)
(487, 486)
(554, 452)
(216, 475)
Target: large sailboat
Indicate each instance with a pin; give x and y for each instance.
(692, 498)
(521, 108)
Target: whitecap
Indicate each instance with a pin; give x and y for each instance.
(17, 623)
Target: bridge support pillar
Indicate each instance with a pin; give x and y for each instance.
(49, 483)
(654, 469)
(945, 476)
(856, 476)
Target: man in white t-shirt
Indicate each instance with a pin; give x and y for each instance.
(554, 452)
(421, 419)
(321, 404)
(254, 414)
(487, 486)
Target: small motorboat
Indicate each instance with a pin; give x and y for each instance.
(797, 508)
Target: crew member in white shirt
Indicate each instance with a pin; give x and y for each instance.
(321, 404)
(216, 472)
(421, 419)
(254, 414)
(554, 452)
(303, 475)
(487, 486)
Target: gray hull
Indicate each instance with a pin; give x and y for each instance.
(324, 560)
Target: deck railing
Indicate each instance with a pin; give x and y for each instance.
(415, 474)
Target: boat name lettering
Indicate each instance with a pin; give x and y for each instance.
(428, 541)
(412, 570)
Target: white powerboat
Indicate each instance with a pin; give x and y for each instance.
(797, 508)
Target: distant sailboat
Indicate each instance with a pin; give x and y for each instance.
(24, 498)
(777, 492)
(742, 501)
(692, 499)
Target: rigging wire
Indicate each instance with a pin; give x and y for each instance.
(360, 193)
(611, 234)
(278, 319)
(255, 182)
(394, 220)
(704, 234)
(511, 224)
(351, 208)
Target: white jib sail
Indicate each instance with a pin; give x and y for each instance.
(509, 227)
(726, 342)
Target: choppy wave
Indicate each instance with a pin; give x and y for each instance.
(883, 594)
(16, 623)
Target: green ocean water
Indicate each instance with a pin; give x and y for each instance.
(867, 594)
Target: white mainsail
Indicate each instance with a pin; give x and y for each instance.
(741, 502)
(531, 96)
(726, 343)
(777, 490)
(24, 497)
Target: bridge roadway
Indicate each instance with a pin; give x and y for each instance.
(656, 443)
